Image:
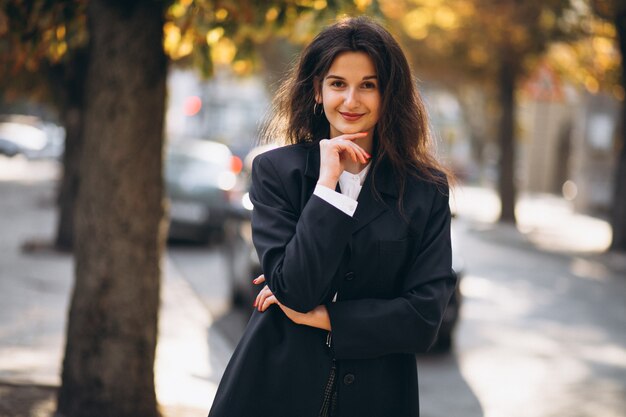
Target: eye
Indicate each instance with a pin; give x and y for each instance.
(369, 85)
(337, 83)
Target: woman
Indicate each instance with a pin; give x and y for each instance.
(352, 226)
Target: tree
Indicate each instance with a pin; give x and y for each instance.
(487, 41)
(618, 219)
(615, 11)
(112, 329)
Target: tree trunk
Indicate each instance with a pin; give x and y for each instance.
(108, 369)
(618, 221)
(72, 82)
(506, 181)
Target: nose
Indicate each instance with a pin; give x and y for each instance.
(351, 99)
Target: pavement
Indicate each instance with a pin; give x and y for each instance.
(542, 333)
(35, 290)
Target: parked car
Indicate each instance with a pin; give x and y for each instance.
(201, 178)
(8, 147)
(245, 266)
(31, 137)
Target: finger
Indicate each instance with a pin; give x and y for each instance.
(265, 292)
(259, 280)
(261, 299)
(268, 302)
(345, 148)
(361, 151)
(351, 136)
(348, 138)
(259, 296)
(358, 152)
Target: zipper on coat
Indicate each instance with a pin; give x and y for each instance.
(329, 402)
(329, 391)
(329, 336)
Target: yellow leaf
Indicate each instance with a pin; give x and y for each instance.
(416, 23)
(242, 67)
(271, 14)
(224, 51)
(362, 4)
(392, 9)
(602, 45)
(171, 38)
(428, 3)
(185, 47)
(446, 18)
(60, 32)
(214, 35)
(61, 49)
(319, 4)
(221, 14)
(177, 10)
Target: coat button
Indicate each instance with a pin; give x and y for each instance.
(348, 379)
(349, 276)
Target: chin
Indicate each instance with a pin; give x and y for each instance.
(347, 130)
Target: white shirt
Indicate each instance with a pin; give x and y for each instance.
(350, 185)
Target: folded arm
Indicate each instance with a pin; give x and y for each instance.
(299, 252)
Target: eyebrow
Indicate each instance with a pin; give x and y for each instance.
(368, 77)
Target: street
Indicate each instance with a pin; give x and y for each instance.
(542, 330)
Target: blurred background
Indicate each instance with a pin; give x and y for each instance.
(127, 131)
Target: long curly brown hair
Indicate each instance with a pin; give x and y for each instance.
(402, 133)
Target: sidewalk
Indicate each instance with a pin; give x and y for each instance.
(547, 222)
(540, 307)
(34, 296)
(543, 319)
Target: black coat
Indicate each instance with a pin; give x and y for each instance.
(394, 277)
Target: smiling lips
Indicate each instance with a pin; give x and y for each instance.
(351, 117)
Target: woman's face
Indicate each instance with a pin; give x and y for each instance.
(350, 94)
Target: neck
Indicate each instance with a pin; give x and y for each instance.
(354, 167)
(367, 143)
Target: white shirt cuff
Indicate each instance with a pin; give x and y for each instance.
(338, 200)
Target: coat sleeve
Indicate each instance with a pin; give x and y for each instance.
(299, 252)
(367, 328)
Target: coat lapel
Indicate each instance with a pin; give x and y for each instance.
(370, 205)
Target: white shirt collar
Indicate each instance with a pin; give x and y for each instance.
(351, 184)
(354, 178)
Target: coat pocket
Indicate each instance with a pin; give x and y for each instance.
(393, 257)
